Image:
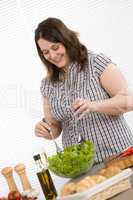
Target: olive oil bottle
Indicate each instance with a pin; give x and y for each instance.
(45, 178)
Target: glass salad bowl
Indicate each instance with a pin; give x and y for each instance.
(74, 161)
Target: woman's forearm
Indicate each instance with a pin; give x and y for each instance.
(115, 105)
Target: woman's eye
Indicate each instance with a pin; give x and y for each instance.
(45, 52)
(55, 47)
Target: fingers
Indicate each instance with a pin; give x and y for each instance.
(81, 107)
(44, 125)
(83, 114)
(41, 129)
(77, 103)
(39, 134)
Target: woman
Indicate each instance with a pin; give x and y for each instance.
(83, 93)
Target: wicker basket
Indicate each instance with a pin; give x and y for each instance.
(113, 190)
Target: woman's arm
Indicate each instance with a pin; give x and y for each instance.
(54, 124)
(41, 128)
(120, 101)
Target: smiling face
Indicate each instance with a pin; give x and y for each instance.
(55, 53)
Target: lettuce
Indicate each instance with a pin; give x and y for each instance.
(74, 161)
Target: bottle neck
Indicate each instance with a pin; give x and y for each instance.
(41, 162)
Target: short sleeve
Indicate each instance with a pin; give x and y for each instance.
(100, 62)
(46, 88)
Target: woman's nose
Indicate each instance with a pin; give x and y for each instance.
(52, 55)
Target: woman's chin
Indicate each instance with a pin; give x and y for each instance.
(61, 66)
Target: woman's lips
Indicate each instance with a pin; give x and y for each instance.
(58, 61)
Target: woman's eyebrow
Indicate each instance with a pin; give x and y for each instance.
(54, 44)
(49, 48)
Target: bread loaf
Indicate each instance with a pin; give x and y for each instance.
(98, 178)
(85, 183)
(90, 181)
(110, 171)
(69, 188)
(122, 163)
(82, 185)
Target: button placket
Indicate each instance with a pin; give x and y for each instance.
(69, 94)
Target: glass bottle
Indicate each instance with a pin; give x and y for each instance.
(44, 177)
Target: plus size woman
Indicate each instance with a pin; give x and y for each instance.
(84, 93)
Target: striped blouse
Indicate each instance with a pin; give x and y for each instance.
(110, 134)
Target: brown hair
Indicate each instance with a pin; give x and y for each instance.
(54, 30)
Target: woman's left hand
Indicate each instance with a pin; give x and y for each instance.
(81, 107)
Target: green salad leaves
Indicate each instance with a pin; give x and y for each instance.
(74, 161)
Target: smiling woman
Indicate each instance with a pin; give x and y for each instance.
(58, 47)
(55, 53)
(21, 72)
(87, 93)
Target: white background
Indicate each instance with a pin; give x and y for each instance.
(104, 26)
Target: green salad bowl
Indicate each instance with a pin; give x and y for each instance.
(74, 161)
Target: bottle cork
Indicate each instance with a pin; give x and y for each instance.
(7, 172)
(21, 171)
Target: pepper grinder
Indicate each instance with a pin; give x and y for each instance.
(7, 172)
(28, 191)
(20, 169)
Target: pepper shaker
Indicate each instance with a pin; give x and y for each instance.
(7, 172)
(20, 169)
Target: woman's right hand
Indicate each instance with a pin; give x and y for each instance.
(41, 130)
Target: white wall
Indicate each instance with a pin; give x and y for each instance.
(104, 26)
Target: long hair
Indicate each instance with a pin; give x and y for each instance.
(54, 30)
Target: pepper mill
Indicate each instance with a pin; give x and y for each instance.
(21, 171)
(7, 172)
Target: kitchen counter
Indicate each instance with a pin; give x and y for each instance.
(127, 195)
